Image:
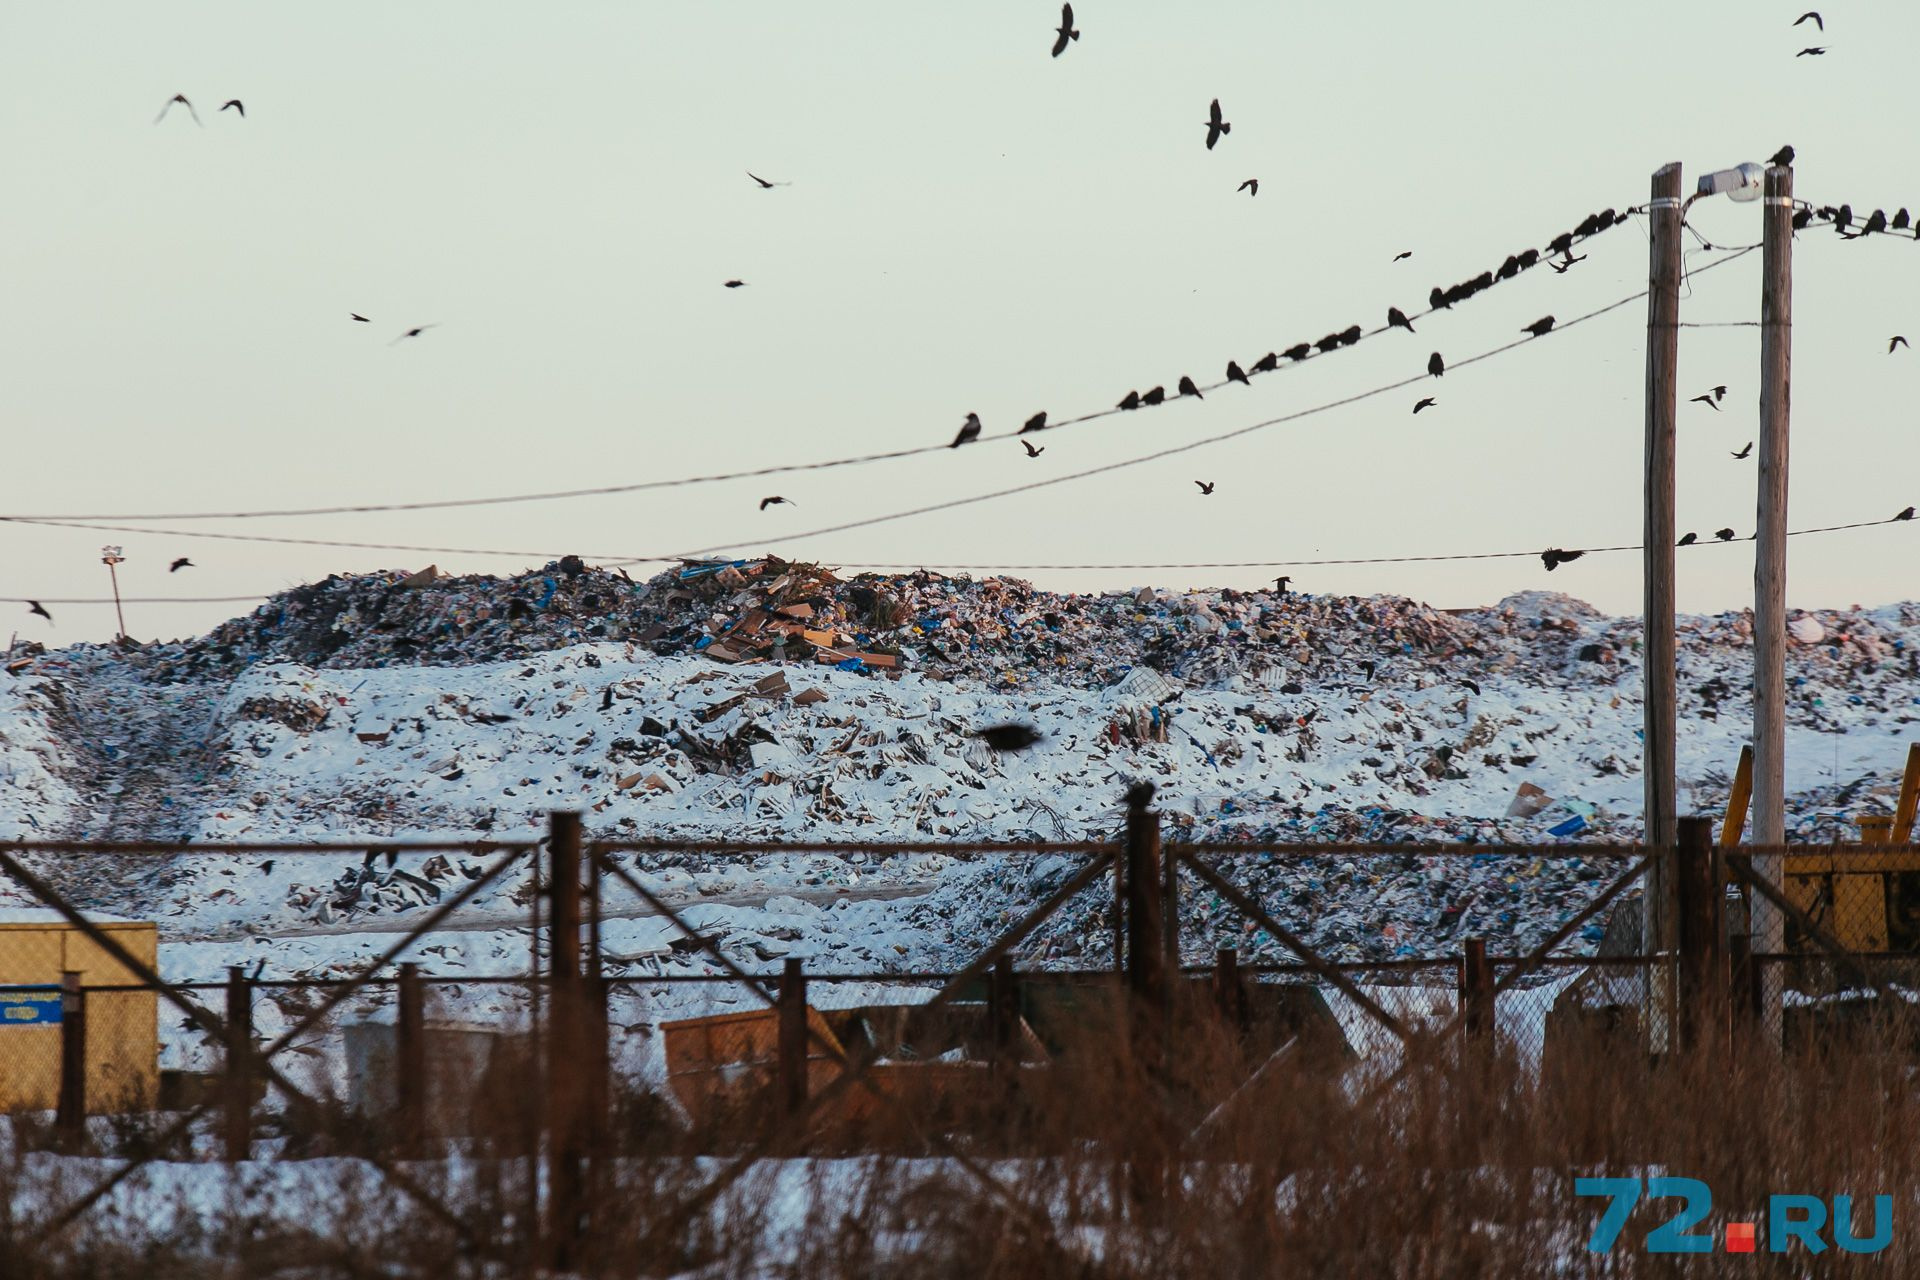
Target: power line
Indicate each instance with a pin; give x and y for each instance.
(1510, 269)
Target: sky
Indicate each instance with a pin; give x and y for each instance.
(971, 226)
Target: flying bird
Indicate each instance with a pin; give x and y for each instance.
(1188, 389)
(1688, 539)
(1818, 21)
(768, 502)
(1031, 451)
(1784, 156)
(764, 184)
(1066, 31)
(1565, 265)
(1404, 253)
(237, 105)
(1280, 583)
(1251, 186)
(1814, 52)
(1707, 401)
(1236, 374)
(1725, 535)
(181, 563)
(1008, 737)
(1132, 401)
(1038, 422)
(357, 316)
(1897, 340)
(1156, 396)
(1435, 365)
(1539, 328)
(1206, 487)
(1720, 392)
(1905, 515)
(34, 606)
(180, 98)
(1744, 452)
(969, 431)
(1215, 125)
(734, 284)
(1554, 557)
(1426, 403)
(1397, 319)
(414, 332)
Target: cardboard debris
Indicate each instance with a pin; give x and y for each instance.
(426, 577)
(1528, 801)
(807, 697)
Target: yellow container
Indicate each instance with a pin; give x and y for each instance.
(123, 1047)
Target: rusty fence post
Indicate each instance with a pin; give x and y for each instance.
(1146, 950)
(238, 1091)
(410, 1063)
(1003, 1016)
(790, 1066)
(1477, 1001)
(1230, 992)
(566, 1042)
(1700, 905)
(70, 1118)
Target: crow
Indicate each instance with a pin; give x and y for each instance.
(266, 868)
(1897, 340)
(1038, 422)
(414, 332)
(1818, 21)
(606, 698)
(1215, 125)
(355, 315)
(1066, 32)
(1435, 365)
(180, 98)
(1876, 221)
(1031, 451)
(1554, 557)
(1267, 363)
(1425, 403)
(1349, 335)
(1843, 218)
(1901, 221)
(1905, 515)
(1725, 535)
(1188, 389)
(1156, 396)
(1404, 253)
(1008, 737)
(1539, 328)
(1744, 452)
(1251, 186)
(1814, 52)
(969, 431)
(1802, 219)
(1280, 583)
(1565, 265)
(1298, 351)
(734, 284)
(1327, 343)
(1437, 299)
(237, 105)
(1470, 685)
(1707, 401)
(1131, 401)
(34, 606)
(1235, 373)
(776, 500)
(1206, 487)
(1783, 156)
(181, 563)
(1688, 539)
(1720, 392)
(1397, 319)
(764, 184)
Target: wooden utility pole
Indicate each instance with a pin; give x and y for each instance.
(1770, 561)
(566, 1045)
(1700, 905)
(1661, 826)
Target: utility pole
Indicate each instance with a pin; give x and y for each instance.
(1770, 562)
(1657, 630)
(110, 556)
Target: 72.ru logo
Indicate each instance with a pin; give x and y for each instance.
(1789, 1218)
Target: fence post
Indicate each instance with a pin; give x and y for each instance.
(239, 1082)
(1700, 904)
(1146, 954)
(1229, 993)
(566, 1093)
(790, 1067)
(70, 1119)
(410, 1062)
(1476, 997)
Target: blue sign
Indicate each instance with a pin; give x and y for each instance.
(37, 1006)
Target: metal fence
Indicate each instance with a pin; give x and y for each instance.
(543, 1076)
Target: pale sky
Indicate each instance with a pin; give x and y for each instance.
(971, 226)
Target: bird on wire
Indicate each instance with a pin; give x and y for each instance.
(1327, 343)
(1130, 401)
(1814, 15)
(1744, 452)
(1397, 319)
(764, 184)
(1038, 422)
(1250, 186)
(776, 499)
(237, 105)
(1426, 402)
(414, 332)
(180, 98)
(1188, 389)
(1539, 328)
(1435, 365)
(1067, 33)
(181, 563)
(1267, 363)
(1897, 340)
(355, 315)
(1298, 351)
(1031, 451)
(1156, 396)
(1814, 52)
(1905, 515)
(1206, 487)
(1236, 374)
(734, 284)
(969, 431)
(1876, 221)
(1688, 539)
(1725, 535)
(1554, 557)
(1216, 127)
(1784, 156)
(1008, 737)
(1901, 221)
(34, 606)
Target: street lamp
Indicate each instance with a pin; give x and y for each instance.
(1741, 184)
(111, 556)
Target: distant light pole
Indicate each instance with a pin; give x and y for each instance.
(110, 556)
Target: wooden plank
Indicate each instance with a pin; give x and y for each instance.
(1903, 814)
(1737, 800)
